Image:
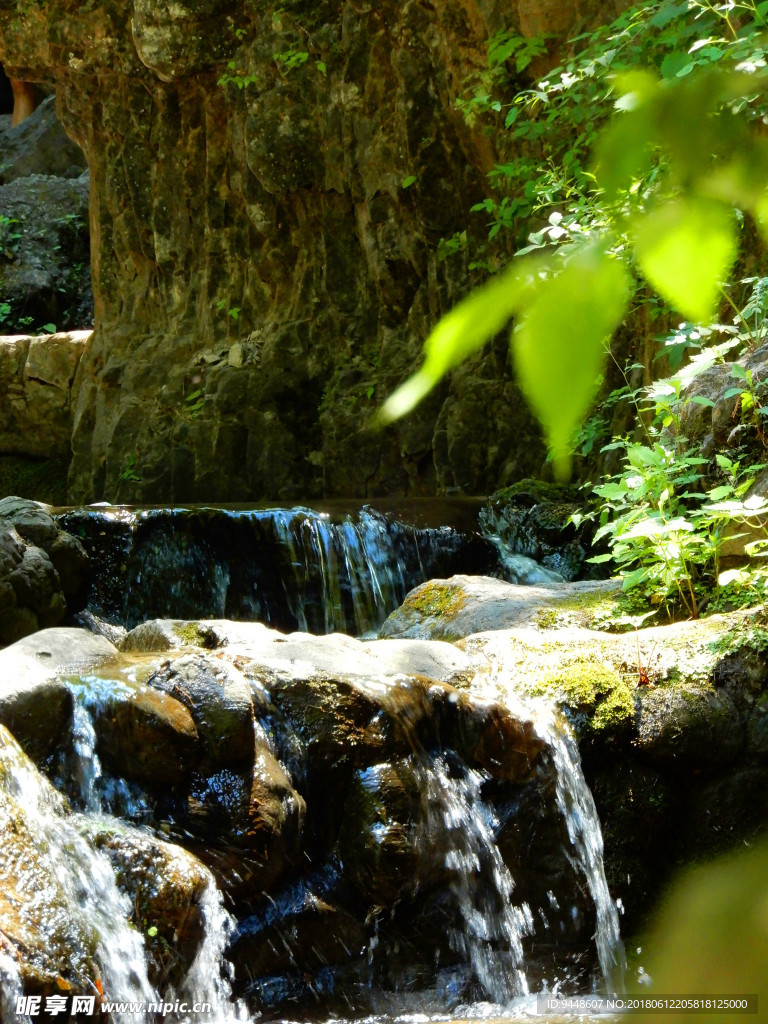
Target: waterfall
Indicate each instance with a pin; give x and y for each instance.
(84, 898)
(294, 568)
(491, 939)
(209, 979)
(352, 565)
(578, 809)
(10, 990)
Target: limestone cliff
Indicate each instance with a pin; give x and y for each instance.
(269, 185)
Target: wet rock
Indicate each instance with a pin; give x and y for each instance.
(39, 145)
(63, 650)
(306, 928)
(173, 635)
(490, 736)
(455, 608)
(38, 930)
(143, 735)
(689, 725)
(274, 830)
(536, 541)
(34, 594)
(35, 703)
(382, 843)
(337, 655)
(218, 698)
(166, 886)
(32, 522)
(35, 708)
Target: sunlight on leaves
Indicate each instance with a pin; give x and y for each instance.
(559, 343)
(685, 248)
(468, 326)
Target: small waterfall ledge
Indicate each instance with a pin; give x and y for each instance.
(359, 808)
(341, 570)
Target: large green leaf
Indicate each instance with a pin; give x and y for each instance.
(559, 343)
(468, 326)
(685, 248)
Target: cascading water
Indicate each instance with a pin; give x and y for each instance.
(578, 809)
(491, 939)
(353, 558)
(81, 897)
(209, 978)
(10, 991)
(289, 568)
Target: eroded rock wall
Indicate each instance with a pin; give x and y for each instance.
(269, 187)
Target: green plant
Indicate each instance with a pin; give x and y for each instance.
(195, 401)
(666, 174)
(236, 76)
(664, 519)
(232, 311)
(9, 236)
(129, 470)
(291, 59)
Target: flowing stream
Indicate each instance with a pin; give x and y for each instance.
(333, 576)
(294, 568)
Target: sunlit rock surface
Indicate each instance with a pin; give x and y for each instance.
(265, 250)
(44, 572)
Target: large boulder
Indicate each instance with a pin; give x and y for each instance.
(167, 887)
(39, 145)
(462, 605)
(36, 378)
(35, 701)
(333, 160)
(44, 572)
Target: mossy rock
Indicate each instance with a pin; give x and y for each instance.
(596, 696)
(534, 492)
(436, 599)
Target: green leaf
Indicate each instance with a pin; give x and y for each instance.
(50, 328)
(468, 326)
(559, 344)
(685, 247)
(152, 932)
(675, 65)
(739, 576)
(718, 493)
(407, 182)
(624, 150)
(701, 400)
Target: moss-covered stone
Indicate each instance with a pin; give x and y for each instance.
(588, 686)
(436, 599)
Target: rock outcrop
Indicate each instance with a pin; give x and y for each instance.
(44, 287)
(44, 572)
(269, 189)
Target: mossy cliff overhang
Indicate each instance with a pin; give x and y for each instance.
(262, 279)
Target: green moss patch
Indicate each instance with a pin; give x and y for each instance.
(436, 599)
(591, 687)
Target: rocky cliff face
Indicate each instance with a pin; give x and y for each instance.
(269, 187)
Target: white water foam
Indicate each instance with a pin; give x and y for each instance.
(493, 927)
(87, 893)
(577, 806)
